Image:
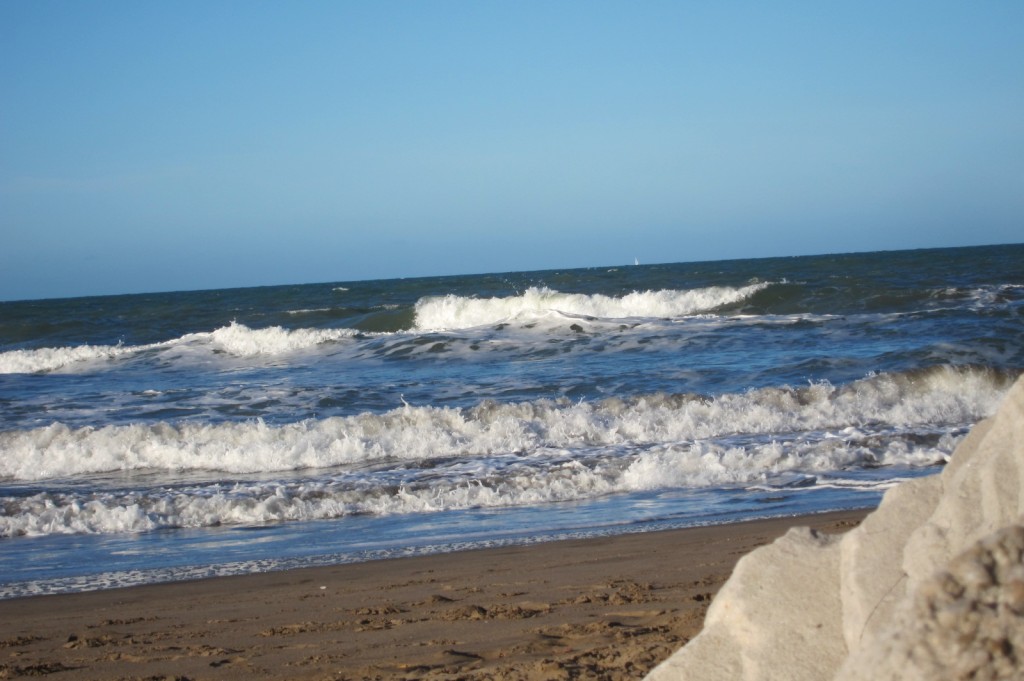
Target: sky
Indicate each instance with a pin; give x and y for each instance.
(195, 144)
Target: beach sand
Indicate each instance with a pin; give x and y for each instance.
(603, 608)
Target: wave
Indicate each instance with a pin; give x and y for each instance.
(431, 313)
(235, 339)
(942, 395)
(453, 312)
(503, 481)
(420, 459)
(241, 341)
(981, 297)
(542, 309)
(51, 359)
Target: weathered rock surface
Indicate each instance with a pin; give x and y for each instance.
(770, 586)
(965, 622)
(872, 581)
(929, 586)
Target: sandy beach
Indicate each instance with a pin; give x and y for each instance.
(605, 608)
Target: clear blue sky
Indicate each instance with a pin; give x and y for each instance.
(188, 144)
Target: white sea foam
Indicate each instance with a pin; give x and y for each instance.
(459, 312)
(547, 476)
(53, 359)
(311, 310)
(942, 396)
(987, 297)
(239, 340)
(235, 339)
(489, 456)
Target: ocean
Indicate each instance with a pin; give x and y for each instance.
(156, 437)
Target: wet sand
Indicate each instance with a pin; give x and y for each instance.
(605, 608)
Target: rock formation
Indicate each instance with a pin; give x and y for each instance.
(929, 586)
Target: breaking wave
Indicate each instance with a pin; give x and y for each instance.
(235, 339)
(459, 312)
(431, 314)
(416, 459)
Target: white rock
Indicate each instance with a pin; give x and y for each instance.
(778, 617)
(982, 491)
(965, 622)
(872, 580)
(929, 586)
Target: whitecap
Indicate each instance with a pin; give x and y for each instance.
(460, 312)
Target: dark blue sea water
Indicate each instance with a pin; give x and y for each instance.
(166, 436)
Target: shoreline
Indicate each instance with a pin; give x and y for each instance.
(609, 607)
